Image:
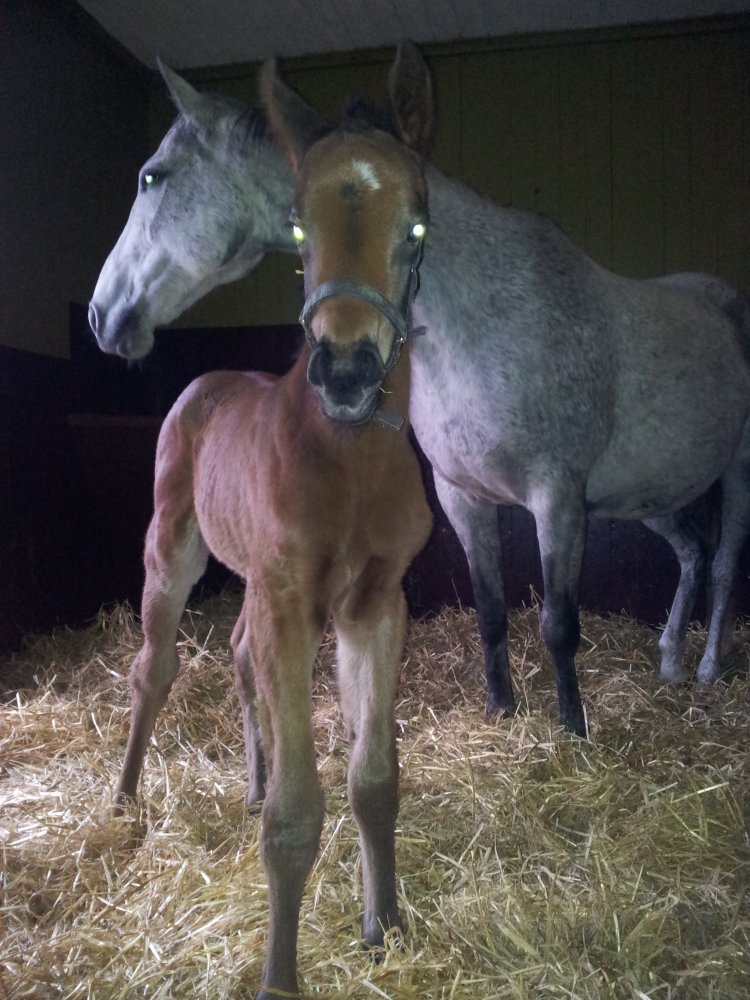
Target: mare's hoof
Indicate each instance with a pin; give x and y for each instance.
(379, 942)
(575, 724)
(673, 675)
(500, 709)
(254, 803)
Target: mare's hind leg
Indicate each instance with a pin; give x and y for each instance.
(175, 559)
(284, 634)
(370, 630)
(561, 532)
(686, 532)
(245, 685)
(476, 524)
(735, 527)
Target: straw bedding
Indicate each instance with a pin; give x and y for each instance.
(532, 866)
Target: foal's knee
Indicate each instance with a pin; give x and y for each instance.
(291, 831)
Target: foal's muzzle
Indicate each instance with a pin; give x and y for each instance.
(347, 381)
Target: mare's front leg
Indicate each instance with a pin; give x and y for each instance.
(478, 529)
(687, 535)
(284, 636)
(175, 559)
(561, 532)
(370, 630)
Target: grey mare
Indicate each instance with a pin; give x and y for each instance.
(541, 379)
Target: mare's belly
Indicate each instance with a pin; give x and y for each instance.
(658, 478)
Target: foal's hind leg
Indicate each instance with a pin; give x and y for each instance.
(688, 537)
(561, 532)
(370, 638)
(245, 685)
(175, 559)
(735, 528)
(476, 524)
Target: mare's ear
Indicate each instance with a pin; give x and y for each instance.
(196, 107)
(412, 102)
(295, 124)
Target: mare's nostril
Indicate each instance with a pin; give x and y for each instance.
(93, 318)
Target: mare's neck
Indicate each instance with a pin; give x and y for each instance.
(268, 197)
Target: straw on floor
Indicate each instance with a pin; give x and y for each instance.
(532, 866)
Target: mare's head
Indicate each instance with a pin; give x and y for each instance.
(210, 202)
(359, 219)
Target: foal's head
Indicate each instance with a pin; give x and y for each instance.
(359, 219)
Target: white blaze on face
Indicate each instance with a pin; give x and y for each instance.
(366, 174)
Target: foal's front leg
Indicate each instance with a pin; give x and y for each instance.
(283, 642)
(244, 680)
(369, 653)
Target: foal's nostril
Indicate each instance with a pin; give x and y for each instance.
(93, 318)
(369, 363)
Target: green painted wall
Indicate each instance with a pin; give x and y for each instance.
(637, 142)
(73, 131)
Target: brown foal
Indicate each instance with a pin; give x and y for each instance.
(308, 488)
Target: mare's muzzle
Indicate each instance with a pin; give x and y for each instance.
(348, 381)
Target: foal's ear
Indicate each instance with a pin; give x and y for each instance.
(412, 101)
(196, 107)
(295, 124)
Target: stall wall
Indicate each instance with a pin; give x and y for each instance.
(73, 132)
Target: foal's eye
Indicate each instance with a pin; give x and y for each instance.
(417, 232)
(298, 232)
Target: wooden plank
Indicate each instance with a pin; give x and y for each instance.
(732, 81)
(447, 147)
(637, 158)
(535, 130)
(485, 124)
(678, 251)
(586, 149)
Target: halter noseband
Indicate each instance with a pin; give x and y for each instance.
(397, 317)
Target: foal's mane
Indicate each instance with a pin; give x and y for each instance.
(358, 115)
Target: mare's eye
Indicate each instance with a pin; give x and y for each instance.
(298, 232)
(149, 179)
(417, 232)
